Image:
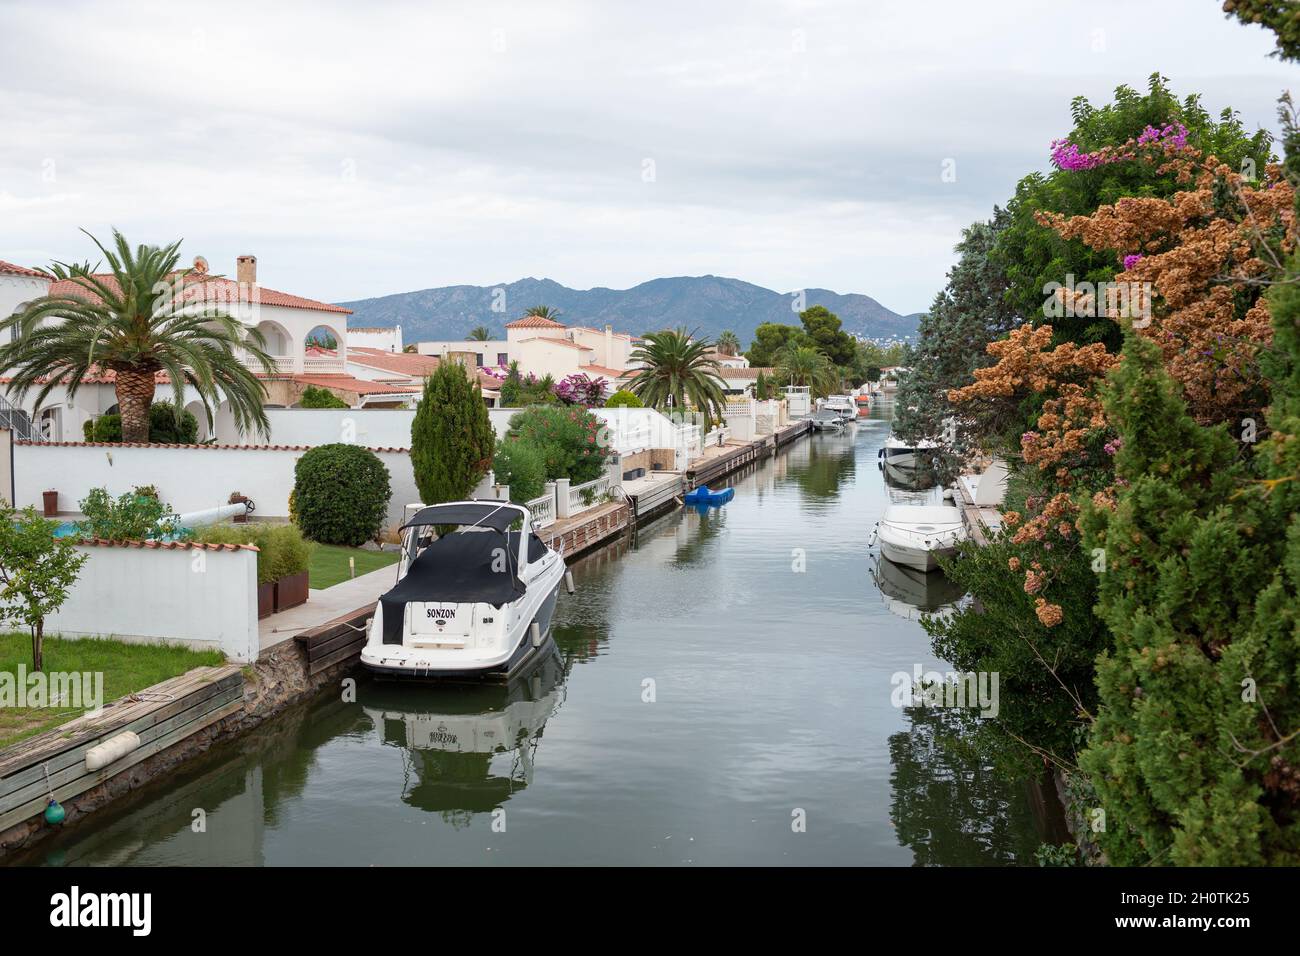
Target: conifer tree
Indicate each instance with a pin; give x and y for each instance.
(452, 439)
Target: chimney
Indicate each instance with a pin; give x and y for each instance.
(246, 270)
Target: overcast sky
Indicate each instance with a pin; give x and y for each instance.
(360, 149)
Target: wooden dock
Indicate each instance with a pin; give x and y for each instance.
(335, 641)
(160, 716)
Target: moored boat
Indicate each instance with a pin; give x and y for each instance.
(902, 454)
(476, 590)
(916, 536)
(826, 420)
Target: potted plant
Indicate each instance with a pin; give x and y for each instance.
(289, 565)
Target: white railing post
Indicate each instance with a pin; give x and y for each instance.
(561, 497)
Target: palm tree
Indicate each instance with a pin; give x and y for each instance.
(480, 333)
(674, 367)
(136, 322)
(543, 312)
(805, 365)
(728, 344)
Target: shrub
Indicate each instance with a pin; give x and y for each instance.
(581, 389)
(567, 438)
(624, 399)
(451, 437)
(341, 494)
(164, 428)
(521, 465)
(135, 516)
(314, 397)
(282, 550)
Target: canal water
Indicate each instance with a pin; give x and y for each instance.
(720, 692)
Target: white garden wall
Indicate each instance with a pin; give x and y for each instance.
(372, 427)
(189, 478)
(202, 598)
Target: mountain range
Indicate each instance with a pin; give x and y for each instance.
(703, 304)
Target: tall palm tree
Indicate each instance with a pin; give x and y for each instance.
(480, 333)
(805, 365)
(728, 344)
(673, 366)
(543, 312)
(132, 322)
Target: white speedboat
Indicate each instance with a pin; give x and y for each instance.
(474, 601)
(843, 406)
(826, 420)
(903, 454)
(915, 536)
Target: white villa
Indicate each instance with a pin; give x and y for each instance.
(286, 322)
(544, 346)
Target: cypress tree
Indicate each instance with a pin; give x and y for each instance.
(451, 437)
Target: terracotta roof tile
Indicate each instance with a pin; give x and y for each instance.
(9, 269)
(164, 545)
(406, 363)
(350, 384)
(199, 286)
(535, 322)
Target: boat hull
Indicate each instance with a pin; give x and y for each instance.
(920, 559)
(397, 662)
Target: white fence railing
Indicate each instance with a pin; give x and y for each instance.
(587, 495)
(543, 508)
(313, 363)
(717, 436)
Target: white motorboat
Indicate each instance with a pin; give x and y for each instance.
(473, 601)
(903, 454)
(826, 420)
(917, 535)
(843, 406)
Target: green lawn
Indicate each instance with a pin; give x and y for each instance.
(126, 668)
(329, 563)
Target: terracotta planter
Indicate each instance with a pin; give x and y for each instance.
(50, 500)
(291, 591)
(265, 599)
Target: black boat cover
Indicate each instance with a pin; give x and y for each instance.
(497, 515)
(461, 568)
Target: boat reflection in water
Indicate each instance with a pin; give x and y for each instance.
(468, 748)
(909, 593)
(909, 479)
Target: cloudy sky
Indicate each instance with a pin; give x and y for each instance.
(362, 149)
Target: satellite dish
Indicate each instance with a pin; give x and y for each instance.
(200, 265)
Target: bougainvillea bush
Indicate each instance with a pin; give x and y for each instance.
(580, 389)
(571, 440)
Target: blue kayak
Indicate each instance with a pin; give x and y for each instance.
(703, 496)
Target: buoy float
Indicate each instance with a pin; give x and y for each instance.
(54, 813)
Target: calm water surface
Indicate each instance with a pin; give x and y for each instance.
(771, 695)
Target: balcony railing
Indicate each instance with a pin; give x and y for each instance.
(313, 363)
